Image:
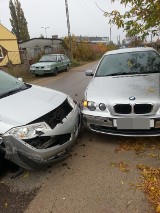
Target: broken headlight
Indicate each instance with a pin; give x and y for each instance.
(29, 131)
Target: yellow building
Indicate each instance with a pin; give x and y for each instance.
(9, 51)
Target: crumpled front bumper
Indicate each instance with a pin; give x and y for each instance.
(30, 157)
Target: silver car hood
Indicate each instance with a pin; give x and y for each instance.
(117, 89)
(26, 106)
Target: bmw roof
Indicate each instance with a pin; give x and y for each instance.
(126, 50)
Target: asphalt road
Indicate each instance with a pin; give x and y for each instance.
(89, 180)
(72, 83)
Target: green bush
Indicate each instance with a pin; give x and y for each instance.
(75, 63)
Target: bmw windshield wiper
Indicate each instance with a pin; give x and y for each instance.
(119, 73)
(126, 73)
(150, 72)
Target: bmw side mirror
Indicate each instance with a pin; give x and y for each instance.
(89, 73)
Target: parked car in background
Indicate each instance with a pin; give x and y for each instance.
(37, 124)
(123, 97)
(50, 64)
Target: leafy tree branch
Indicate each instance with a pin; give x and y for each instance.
(142, 17)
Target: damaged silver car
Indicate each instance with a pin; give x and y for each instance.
(37, 124)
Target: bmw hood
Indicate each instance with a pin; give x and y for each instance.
(28, 105)
(118, 89)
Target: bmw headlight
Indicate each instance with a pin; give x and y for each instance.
(90, 105)
(29, 131)
(102, 106)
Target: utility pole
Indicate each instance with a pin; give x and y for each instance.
(45, 29)
(110, 34)
(69, 33)
(119, 39)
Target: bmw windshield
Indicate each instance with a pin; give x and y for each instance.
(10, 85)
(129, 63)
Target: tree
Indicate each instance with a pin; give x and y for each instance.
(86, 51)
(141, 18)
(18, 21)
(41, 36)
(133, 41)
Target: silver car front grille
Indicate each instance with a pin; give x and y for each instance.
(136, 108)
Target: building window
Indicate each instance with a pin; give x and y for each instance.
(1, 53)
(48, 49)
(37, 51)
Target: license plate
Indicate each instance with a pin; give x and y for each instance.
(133, 123)
(39, 72)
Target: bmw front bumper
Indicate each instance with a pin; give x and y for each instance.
(108, 125)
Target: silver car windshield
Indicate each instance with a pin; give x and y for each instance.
(129, 63)
(9, 84)
(48, 58)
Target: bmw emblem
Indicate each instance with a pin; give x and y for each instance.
(132, 98)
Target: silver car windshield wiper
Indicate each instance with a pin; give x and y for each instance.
(11, 92)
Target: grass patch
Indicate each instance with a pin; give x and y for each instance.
(20, 71)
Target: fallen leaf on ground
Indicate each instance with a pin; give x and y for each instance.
(150, 184)
(122, 166)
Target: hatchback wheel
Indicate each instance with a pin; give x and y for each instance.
(55, 71)
(67, 67)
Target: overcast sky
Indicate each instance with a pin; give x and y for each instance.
(86, 18)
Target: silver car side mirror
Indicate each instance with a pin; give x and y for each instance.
(89, 73)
